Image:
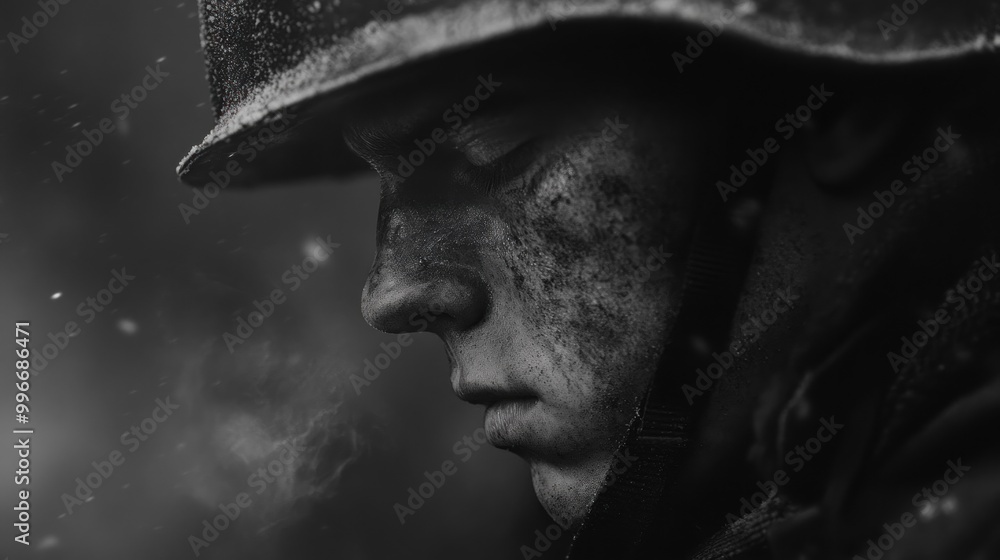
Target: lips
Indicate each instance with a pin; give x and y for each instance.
(507, 409)
(506, 422)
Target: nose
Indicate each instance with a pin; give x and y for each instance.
(425, 276)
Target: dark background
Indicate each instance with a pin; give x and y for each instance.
(162, 336)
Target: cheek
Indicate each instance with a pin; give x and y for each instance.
(583, 254)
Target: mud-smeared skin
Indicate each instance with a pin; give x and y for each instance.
(549, 271)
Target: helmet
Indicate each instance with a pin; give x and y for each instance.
(313, 58)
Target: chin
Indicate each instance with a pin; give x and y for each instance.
(567, 492)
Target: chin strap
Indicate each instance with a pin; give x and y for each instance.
(661, 434)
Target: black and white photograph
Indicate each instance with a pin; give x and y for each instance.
(500, 279)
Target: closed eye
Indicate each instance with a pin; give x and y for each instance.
(499, 173)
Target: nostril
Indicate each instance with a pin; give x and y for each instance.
(461, 302)
(381, 303)
(396, 304)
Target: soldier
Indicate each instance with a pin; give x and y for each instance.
(720, 272)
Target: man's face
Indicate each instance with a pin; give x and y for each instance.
(537, 237)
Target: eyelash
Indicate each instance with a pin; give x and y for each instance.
(505, 169)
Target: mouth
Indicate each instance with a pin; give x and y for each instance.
(507, 410)
(506, 422)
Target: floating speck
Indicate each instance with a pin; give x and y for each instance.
(128, 326)
(48, 541)
(316, 250)
(949, 504)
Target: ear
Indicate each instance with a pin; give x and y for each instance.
(847, 144)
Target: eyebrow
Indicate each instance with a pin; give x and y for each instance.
(374, 140)
(382, 139)
(379, 140)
